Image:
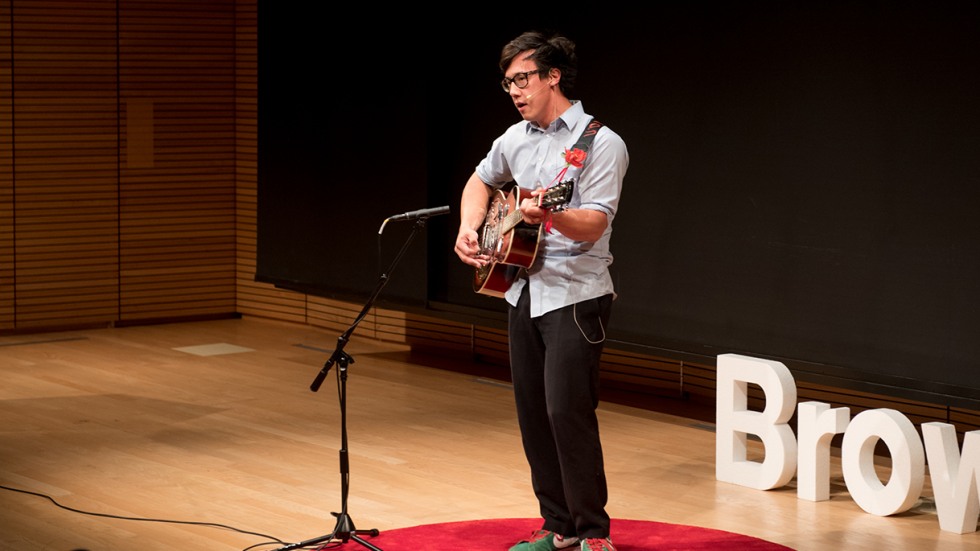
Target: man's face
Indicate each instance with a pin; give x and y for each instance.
(526, 88)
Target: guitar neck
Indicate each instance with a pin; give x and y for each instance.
(510, 221)
(547, 202)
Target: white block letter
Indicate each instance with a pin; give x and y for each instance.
(817, 425)
(908, 462)
(734, 422)
(954, 478)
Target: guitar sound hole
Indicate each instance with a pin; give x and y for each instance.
(490, 242)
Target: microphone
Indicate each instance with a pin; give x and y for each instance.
(535, 92)
(416, 214)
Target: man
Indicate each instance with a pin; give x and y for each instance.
(559, 306)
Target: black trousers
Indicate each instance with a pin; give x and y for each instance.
(555, 369)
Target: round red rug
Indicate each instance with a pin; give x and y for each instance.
(500, 534)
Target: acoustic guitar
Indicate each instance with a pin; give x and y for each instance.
(509, 242)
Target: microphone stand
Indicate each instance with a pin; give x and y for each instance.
(344, 530)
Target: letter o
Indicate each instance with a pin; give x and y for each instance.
(908, 462)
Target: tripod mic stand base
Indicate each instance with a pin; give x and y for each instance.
(343, 532)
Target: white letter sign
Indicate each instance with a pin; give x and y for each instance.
(734, 421)
(954, 478)
(908, 462)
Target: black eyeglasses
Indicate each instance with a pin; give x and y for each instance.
(520, 79)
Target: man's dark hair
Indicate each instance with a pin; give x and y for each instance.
(551, 51)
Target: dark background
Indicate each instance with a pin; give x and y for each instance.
(802, 185)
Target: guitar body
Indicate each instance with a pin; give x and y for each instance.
(494, 279)
(507, 241)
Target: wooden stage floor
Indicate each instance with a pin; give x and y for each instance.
(215, 422)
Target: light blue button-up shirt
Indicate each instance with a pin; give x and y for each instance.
(564, 271)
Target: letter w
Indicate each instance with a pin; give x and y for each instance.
(954, 478)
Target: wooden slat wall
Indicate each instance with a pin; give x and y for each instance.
(177, 179)
(252, 297)
(65, 161)
(6, 171)
(119, 161)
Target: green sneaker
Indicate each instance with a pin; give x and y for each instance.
(597, 544)
(544, 540)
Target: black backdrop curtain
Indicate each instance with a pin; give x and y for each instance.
(802, 184)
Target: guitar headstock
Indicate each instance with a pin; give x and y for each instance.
(557, 196)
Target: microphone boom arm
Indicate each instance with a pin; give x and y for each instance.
(339, 354)
(421, 214)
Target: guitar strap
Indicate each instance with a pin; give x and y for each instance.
(583, 144)
(585, 140)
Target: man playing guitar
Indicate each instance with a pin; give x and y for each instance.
(559, 302)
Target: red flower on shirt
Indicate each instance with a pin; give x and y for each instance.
(575, 157)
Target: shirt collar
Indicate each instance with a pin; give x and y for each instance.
(572, 117)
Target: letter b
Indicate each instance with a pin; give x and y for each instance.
(734, 421)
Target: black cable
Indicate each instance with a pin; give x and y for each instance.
(275, 541)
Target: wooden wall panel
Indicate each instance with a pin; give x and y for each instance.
(66, 162)
(6, 171)
(337, 316)
(964, 419)
(252, 297)
(177, 178)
